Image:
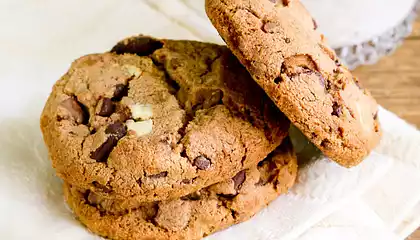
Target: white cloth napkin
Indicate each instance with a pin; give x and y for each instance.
(379, 199)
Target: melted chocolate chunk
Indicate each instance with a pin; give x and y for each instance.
(117, 129)
(337, 110)
(202, 162)
(299, 64)
(186, 181)
(101, 187)
(238, 179)
(159, 175)
(101, 154)
(121, 91)
(326, 144)
(284, 2)
(107, 108)
(78, 112)
(337, 62)
(141, 45)
(278, 80)
(195, 196)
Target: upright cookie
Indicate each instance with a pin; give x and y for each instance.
(277, 41)
(159, 126)
(196, 215)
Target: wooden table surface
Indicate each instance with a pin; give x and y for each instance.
(395, 82)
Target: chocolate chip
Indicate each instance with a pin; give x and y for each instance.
(86, 114)
(86, 195)
(337, 71)
(278, 80)
(107, 107)
(186, 181)
(117, 129)
(341, 131)
(78, 112)
(121, 90)
(375, 116)
(101, 154)
(141, 45)
(284, 2)
(325, 144)
(328, 85)
(337, 110)
(238, 179)
(315, 24)
(202, 162)
(269, 27)
(337, 62)
(377, 129)
(298, 64)
(227, 196)
(101, 187)
(195, 196)
(159, 175)
(93, 199)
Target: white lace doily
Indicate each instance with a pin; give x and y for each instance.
(370, 52)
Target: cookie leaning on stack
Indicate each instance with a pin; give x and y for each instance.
(277, 41)
(151, 124)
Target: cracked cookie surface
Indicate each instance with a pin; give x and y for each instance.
(158, 119)
(193, 216)
(277, 41)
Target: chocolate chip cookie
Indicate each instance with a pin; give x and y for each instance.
(193, 216)
(277, 41)
(158, 119)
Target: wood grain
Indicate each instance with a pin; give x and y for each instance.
(395, 83)
(416, 30)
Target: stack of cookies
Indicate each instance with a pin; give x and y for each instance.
(167, 139)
